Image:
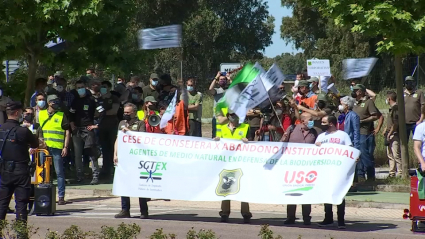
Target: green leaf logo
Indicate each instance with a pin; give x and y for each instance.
(309, 63)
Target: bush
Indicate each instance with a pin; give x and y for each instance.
(16, 229)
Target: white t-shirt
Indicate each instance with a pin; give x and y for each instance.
(420, 136)
(339, 137)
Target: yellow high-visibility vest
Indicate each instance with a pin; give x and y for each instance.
(53, 134)
(239, 133)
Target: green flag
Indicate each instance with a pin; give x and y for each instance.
(246, 75)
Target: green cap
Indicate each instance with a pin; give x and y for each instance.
(150, 99)
(313, 79)
(359, 87)
(322, 97)
(303, 83)
(409, 78)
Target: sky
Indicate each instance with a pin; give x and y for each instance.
(278, 46)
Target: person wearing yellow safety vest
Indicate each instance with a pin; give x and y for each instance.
(55, 128)
(237, 131)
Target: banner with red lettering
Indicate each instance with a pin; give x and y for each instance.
(199, 169)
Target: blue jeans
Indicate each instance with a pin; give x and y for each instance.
(58, 164)
(366, 165)
(214, 125)
(143, 203)
(410, 128)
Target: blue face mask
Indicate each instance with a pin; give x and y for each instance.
(41, 103)
(310, 124)
(311, 85)
(154, 82)
(189, 88)
(81, 91)
(103, 91)
(351, 87)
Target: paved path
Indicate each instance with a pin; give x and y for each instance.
(178, 217)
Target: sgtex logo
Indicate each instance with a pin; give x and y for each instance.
(152, 170)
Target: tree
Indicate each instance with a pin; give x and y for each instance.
(90, 28)
(397, 25)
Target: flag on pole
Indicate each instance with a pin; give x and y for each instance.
(160, 37)
(169, 112)
(232, 98)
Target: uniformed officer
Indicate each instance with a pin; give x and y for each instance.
(130, 122)
(15, 142)
(233, 130)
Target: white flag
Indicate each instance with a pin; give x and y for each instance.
(273, 77)
(356, 68)
(169, 112)
(161, 37)
(242, 101)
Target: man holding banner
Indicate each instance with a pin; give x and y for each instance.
(130, 123)
(233, 130)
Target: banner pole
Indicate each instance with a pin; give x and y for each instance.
(181, 64)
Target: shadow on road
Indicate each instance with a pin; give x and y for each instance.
(76, 200)
(353, 226)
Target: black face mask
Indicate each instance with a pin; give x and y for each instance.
(354, 95)
(127, 117)
(324, 127)
(409, 86)
(29, 118)
(56, 106)
(321, 104)
(152, 107)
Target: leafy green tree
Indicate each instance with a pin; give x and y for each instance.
(398, 26)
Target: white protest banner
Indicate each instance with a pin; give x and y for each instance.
(356, 68)
(169, 112)
(318, 68)
(228, 67)
(198, 169)
(161, 37)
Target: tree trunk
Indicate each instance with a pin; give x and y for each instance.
(401, 119)
(32, 71)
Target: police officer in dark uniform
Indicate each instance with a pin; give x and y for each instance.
(15, 165)
(130, 123)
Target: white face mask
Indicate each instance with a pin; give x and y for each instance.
(341, 108)
(386, 102)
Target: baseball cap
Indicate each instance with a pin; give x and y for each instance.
(154, 76)
(409, 78)
(52, 97)
(359, 87)
(322, 97)
(313, 79)
(150, 99)
(303, 83)
(14, 105)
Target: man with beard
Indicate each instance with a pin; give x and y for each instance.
(414, 101)
(308, 98)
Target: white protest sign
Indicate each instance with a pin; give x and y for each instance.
(273, 77)
(199, 169)
(318, 68)
(228, 67)
(161, 37)
(356, 68)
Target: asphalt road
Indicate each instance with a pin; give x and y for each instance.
(91, 216)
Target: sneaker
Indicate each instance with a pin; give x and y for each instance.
(289, 222)
(341, 225)
(144, 216)
(224, 218)
(61, 201)
(123, 214)
(247, 220)
(326, 223)
(95, 181)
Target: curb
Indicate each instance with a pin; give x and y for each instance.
(385, 188)
(348, 203)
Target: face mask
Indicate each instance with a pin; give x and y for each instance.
(351, 88)
(59, 88)
(354, 95)
(189, 88)
(41, 103)
(325, 127)
(119, 82)
(222, 83)
(321, 104)
(154, 82)
(135, 96)
(29, 118)
(103, 91)
(311, 85)
(341, 108)
(127, 117)
(386, 102)
(409, 86)
(310, 124)
(81, 91)
(55, 106)
(279, 112)
(151, 107)
(233, 119)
